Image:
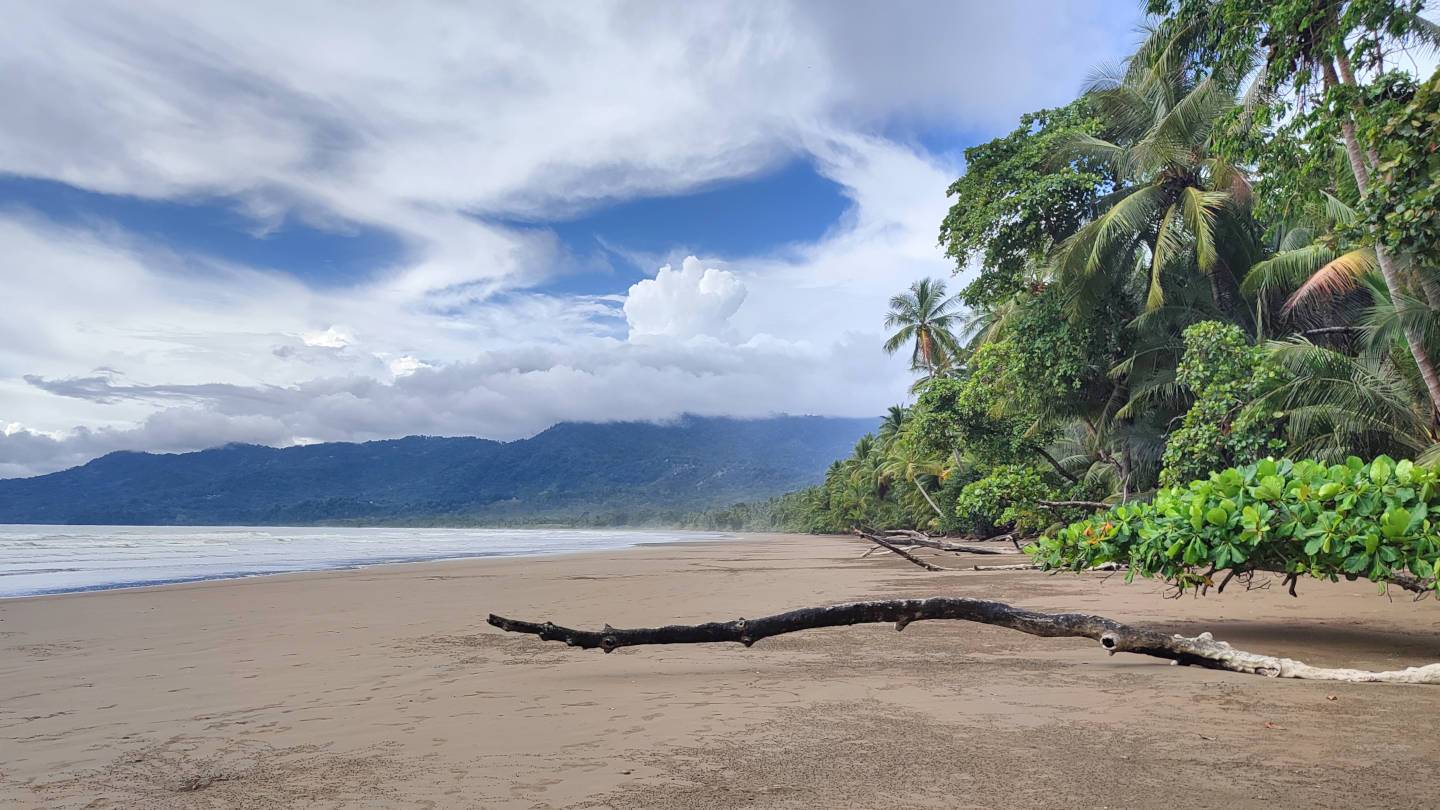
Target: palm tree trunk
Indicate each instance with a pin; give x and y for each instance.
(1124, 466)
(1053, 463)
(1393, 282)
(1228, 298)
(927, 497)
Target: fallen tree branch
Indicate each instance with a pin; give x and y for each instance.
(1202, 650)
(909, 534)
(963, 548)
(877, 540)
(1014, 541)
(1110, 566)
(927, 542)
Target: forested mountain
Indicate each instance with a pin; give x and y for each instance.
(613, 473)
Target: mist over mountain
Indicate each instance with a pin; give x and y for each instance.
(596, 473)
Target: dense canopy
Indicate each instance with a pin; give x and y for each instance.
(1190, 296)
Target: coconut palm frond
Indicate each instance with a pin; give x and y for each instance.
(1287, 270)
(1200, 209)
(1339, 275)
(1337, 211)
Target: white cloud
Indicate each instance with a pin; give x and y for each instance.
(690, 302)
(433, 124)
(406, 365)
(332, 337)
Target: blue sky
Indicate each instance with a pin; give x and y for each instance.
(279, 223)
(213, 227)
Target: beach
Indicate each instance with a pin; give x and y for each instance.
(384, 687)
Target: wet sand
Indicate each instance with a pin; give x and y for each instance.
(384, 687)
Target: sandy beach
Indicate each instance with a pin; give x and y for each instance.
(384, 687)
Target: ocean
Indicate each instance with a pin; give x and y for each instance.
(38, 560)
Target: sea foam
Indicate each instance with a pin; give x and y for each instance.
(38, 560)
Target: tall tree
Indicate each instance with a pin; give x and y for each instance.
(1175, 199)
(1013, 204)
(1327, 46)
(925, 318)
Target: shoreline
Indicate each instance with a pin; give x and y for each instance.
(383, 686)
(502, 555)
(351, 564)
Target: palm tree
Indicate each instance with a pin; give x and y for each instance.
(1309, 264)
(890, 426)
(926, 317)
(904, 461)
(1176, 207)
(1338, 405)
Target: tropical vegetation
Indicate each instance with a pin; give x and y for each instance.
(1195, 298)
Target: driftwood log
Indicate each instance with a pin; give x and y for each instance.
(1202, 650)
(918, 539)
(888, 546)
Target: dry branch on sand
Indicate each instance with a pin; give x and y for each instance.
(1202, 650)
(894, 538)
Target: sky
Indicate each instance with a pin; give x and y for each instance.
(282, 223)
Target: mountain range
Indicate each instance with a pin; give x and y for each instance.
(617, 473)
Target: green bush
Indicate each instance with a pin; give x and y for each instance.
(1352, 520)
(1223, 427)
(1005, 499)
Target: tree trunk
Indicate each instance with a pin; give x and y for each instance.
(1045, 454)
(1226, 291)
(927, 497)
(1125, 466)
(956, 548)
(1428, 286)
(1393, 282)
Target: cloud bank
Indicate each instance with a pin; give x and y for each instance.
(441, 126)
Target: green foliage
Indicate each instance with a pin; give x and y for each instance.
(966, 414)
(1013, 203)
(924, 317)
(1296, 35)
(1404, 207)
(1005, 500)
(1055, 363)
(1223, 427)
(793, 512)
(1352, 520)
(1234, 182)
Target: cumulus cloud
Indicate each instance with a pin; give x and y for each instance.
(332, 337)
(440, 125)
(690, 302)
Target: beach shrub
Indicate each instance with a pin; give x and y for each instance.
(1302, 517)
(1005, 499)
